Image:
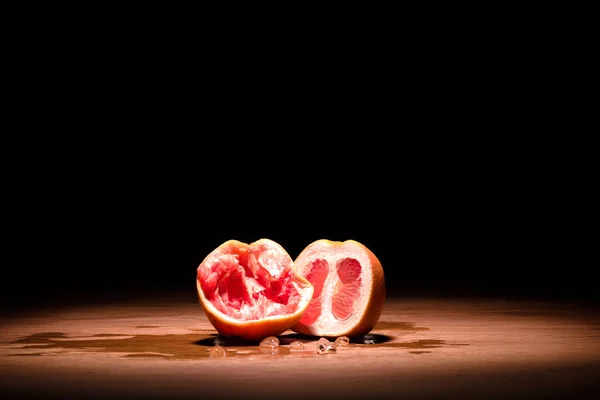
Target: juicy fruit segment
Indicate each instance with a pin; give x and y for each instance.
(346, 288)
(317, 273)
(349, 288)
(251, 290)
(345, 291)
(254, 283)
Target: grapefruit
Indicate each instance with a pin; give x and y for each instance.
(349, 289)
(251, 291)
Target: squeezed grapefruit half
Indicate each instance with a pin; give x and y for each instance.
(251, 291)
(349, 288)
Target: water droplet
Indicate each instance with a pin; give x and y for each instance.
(324, 346)
(296, 346)
(270, 342)
(342, 341)
(218, 351)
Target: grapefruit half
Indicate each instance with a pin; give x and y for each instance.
(251, 291)
(349, 288)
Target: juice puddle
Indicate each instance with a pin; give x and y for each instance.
(197, 346)
(171, 346)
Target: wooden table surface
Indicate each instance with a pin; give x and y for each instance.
(422, 348)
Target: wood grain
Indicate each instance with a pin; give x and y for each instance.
(422, 348)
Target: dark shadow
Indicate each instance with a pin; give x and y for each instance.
(371, 338)
(287, 339)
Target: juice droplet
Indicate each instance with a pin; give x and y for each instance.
(342, 341)
(218, 351)
(269, 342)
(296, 346)
(324, 346)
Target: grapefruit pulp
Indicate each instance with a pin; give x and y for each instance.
(349, 289)
(251, 291)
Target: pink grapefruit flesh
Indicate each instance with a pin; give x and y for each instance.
(251, 290)
(349, 288)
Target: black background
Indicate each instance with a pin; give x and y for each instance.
(453, 160)
(106, 219)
